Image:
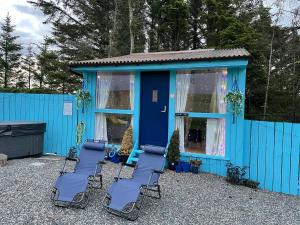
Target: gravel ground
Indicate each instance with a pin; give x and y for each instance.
(186, 199)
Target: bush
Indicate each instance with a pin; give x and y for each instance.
(26, 90)
(173, 149)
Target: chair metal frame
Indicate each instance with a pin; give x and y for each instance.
(128, 210)
(94, 182)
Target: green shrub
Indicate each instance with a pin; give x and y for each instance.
(173, 149)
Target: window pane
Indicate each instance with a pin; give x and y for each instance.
(204, 136)
(116, 127)
(201, 91)
(115, 90)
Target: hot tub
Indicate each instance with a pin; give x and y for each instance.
(22, 138)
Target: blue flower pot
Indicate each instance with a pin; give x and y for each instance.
(115, 158)
(178, 168)
(185, 167)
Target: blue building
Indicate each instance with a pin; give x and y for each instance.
(162, 91)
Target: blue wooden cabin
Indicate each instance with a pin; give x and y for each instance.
(162, 91)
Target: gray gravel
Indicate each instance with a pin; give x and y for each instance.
(187, 199)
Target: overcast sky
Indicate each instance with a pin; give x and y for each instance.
(30, 27)
(28, 21)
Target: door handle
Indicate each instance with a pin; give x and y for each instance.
(165, 109)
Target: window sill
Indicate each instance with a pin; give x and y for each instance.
(114, 111)
(196, 155)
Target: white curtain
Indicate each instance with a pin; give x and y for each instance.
(182, 89)
(131, 89)
(215, 129)
(103, 87)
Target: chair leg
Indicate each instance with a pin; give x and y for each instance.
(156, 189)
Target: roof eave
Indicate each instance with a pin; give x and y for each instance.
(93, 64)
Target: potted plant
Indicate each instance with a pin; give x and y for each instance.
(235, 102)
(126, 145)
(173, 150)
(195, 164)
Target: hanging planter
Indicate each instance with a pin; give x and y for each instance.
(83, 99)
(235, 101)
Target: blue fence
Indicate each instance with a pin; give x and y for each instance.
(271, 154)
(49, 108)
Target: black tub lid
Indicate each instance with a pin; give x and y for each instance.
(21, 122)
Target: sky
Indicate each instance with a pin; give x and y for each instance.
(28, 21)
(30, 27)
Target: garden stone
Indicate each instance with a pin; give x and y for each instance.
(3, 160)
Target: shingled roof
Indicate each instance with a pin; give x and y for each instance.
(164, 57)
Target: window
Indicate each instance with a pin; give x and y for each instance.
(116, 127)
(205, 90)
(115, 90)
(204, 136)
(115, 95)
(201, 93)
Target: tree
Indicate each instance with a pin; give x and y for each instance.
(28, 66)
(53, 70)
(9, 52)
(196, 28)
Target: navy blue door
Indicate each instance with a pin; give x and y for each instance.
(154, 108)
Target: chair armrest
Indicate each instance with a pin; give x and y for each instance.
(158, 171)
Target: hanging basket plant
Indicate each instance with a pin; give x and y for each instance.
(83, 99)
(235, 101)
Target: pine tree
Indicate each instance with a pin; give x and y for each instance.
(28, 66)
(9, 52)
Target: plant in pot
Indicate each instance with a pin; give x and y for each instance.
(173, 150)
(235, 102)
(195, 164)
(126, 145)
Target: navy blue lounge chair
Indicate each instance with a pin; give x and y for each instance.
(73, 188)
(126, 195)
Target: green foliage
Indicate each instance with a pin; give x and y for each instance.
(26, 90)
(235, 101)
(173, 148)
(9, 53)
(83, 98)
(80, 129)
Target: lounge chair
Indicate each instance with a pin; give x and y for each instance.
(126, 195)
(73, 188)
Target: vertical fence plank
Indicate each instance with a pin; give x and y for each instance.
(261, 169)
(295, 151)
(279, 129)
(269, 156)
(286, 158)
(254, 150)
(247, 145)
